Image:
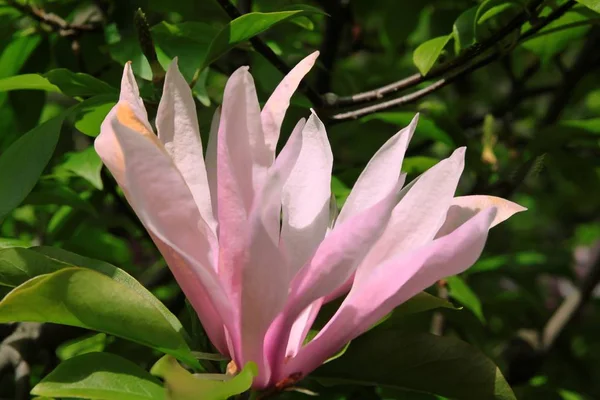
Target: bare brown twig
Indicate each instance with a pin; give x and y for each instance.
(55, 22)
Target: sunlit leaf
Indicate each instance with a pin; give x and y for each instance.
(89, 114)
(27, 82)
(100, 376)
(428, 53)
(81, 345)
(591, 4)
(86, 164)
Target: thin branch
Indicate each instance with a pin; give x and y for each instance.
(339, 12)
(454, 74)
(57, 23)
(457, 63)
(262, 48)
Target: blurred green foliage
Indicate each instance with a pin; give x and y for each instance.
(516, 81)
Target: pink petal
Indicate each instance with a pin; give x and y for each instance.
(274, 110)
(159, 195)
(306, 195)
(391, 284)
(177, 125)
(239, 176)
(301, 327)
(333, 263)
(420, 213)
(130, 94)
(381, 173)
(465, 207)
(211, 158)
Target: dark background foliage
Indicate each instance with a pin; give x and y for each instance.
(517, 82)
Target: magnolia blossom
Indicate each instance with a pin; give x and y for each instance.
(252, 238)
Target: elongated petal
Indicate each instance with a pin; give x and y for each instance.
(265, 276)
(306, 195)
(162, 200)
(274, 110)
(211, 158)
(130, 94)
(391, 284)
(301, 327)
(239, 132)
(465, 207)
(381, 173)
(333, 263)
(177, 126)
(420, 213)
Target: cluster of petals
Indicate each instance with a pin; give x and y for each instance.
(252, 237)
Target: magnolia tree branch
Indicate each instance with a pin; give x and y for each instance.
(262, 48)
(480, 56)
(55, 22)
(457, 63)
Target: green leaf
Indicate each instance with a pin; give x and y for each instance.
(127, 49)
(243, 28)
(117, 274)
(181, 385)
(189, 41)
(27, 82)
(421, 362)
(100, 376)
(463, 30)
(85, 298)
(6, 243)
(86, 164)
(546, 45)
(493, 8)
(593, 5)
(426, 128)
(52, 192)
(81, 345)
(16, 53)
(24, 161)
(89, 114)
(17, 265)
(461, 292)
(78, 84)
(427, 53)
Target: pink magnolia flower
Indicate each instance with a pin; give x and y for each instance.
(251, 237)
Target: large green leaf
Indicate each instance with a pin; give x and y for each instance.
(181, 385)
(27, 82)
(22, 163)
(16, 53)
(20, 266)
(100, 376)
(89, 299)
(428, 53)
(422, 362)
(78, 84)
(463, 30)
(243, 28)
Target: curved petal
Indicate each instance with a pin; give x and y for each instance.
(381, 173)
(177, 126)
(274, 110)
(333, 263)
(239, 177)
(211, 159)
(420, 213)
(465, 207)
(159, 195)
(306, 195)
(391, 284)
(130, 94)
